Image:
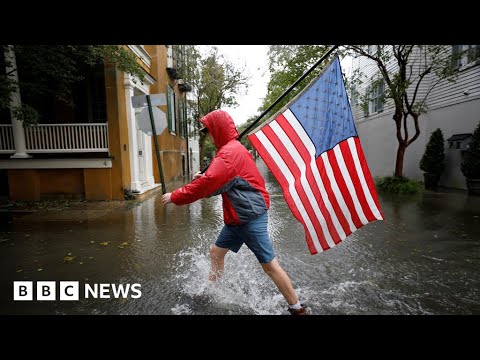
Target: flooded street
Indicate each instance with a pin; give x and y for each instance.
(422, 260)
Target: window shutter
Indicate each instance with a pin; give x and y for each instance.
(181, 119)
(169, 109)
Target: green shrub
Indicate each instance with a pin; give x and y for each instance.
(397, 185)
(433, 160)
(471, 159)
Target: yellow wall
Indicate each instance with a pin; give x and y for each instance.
(98, 184)
(39, 184)
(171, 146)
(117, 131)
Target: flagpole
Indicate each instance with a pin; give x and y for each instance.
(283, 95)
(287, 91)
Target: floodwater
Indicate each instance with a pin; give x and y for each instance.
(422, 260)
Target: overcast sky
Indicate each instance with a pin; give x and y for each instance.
(254, 58)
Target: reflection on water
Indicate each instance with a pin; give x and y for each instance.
(421, 260)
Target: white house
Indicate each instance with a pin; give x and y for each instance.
(193, 144)
(452, 107)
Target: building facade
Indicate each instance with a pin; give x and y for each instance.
(452, 107)
(95, 150)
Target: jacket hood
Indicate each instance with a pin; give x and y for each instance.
(221, 126)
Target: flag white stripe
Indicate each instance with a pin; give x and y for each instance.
(366, 190)
(291, 187)
(313, 164)
(338, 192)
(292, 150)
(349, 183)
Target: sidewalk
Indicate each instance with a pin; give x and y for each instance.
(73, 210)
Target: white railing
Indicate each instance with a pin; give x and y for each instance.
(51, 138)
(6, 139)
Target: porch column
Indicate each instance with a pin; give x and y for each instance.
(15, 100)
(132, 134)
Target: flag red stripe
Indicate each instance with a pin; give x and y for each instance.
(331, 195)
(305, 154)
(294, 169)
(367, 175)
(343, 188)
(284, 184)
(349, 162)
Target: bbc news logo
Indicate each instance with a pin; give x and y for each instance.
(69, 291)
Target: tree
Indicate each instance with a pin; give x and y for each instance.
(215, 84)
(471, 159)
(410, 73)
(241, 128)
(433, 159)
(53, 70)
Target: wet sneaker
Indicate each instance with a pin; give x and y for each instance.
(302, 311)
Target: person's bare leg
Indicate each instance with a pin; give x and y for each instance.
(281, 279)
(217, 255)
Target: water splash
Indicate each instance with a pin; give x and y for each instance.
(244, 287)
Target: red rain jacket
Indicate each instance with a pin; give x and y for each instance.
(232, 173)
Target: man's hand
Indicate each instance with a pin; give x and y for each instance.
(167, 198)
(197, 175)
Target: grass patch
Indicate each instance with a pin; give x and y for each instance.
(398, 185)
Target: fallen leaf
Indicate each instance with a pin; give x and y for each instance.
(105, 243)
(69, 258)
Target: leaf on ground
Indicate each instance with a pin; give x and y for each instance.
(105, 243)
(69, 258)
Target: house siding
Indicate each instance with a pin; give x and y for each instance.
(449, 109)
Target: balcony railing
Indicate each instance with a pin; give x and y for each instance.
(58, 138)
(6, 139)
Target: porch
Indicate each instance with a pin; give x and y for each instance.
(69, 161)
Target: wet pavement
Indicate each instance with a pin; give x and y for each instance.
(422, 260)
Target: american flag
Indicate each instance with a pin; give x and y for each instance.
(313, 150)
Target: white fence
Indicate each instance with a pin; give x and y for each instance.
(57, 138)
(6, 139)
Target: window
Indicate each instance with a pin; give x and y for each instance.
(372, 49)
(353, 95)
(169, 56)
(456, 57)
(172, 121)
(473, 53)
(181, 117)
(375, 93)
(464, 54)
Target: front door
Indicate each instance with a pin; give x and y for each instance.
(141, 157)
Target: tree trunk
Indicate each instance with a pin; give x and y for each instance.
(201, 142)
(399, 161)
